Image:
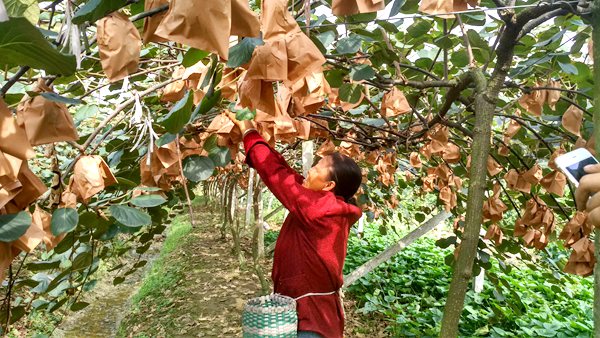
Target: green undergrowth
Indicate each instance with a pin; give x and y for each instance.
(410, 291)
(166, 274)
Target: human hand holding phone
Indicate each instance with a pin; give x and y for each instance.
(586, 196)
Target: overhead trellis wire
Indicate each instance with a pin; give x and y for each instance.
(417, 16)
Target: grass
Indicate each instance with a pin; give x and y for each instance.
(162, 277)
(165, 275)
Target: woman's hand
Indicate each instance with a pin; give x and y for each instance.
(243, 125)
(586, 195)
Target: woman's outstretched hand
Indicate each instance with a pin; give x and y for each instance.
(586, 195)
(243, 125)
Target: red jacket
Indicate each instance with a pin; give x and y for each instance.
(311, 247)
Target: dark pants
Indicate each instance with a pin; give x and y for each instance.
(308, 334)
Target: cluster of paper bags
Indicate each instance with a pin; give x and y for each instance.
(38, 121)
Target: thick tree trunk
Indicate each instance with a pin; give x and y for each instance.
(477, 182)
(596, 110)
(388, 253)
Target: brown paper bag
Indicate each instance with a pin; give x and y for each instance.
(394, 103)
(552, 96)
(90, 176)
(554, 183)
(45, 121)
(119, 43)
(32, 237)
(32, 187)
(151, 23)
(534, 101)
(451, 153)
(228, 84)
(303, 128)
(174, 91)
(163, 168)
(336, 101)
(575, 229)
(572, 120)
(207, 24)
(43, 219)
(533, 175)
(13, 139)
(288, 54)
(351, 7)
(494, 208)
(415, 160)
(10, 185)
(257, 95)
(582, 259)
(306, 96)
(495, 234)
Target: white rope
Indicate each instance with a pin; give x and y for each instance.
(315, 294)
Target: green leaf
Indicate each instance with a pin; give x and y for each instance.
(327, 38)
(85, 112)
(179, 115)
(148, 201)
(193, 56)
(79, 306)
(129, 216)
(210, 143)
(396, 7)
(349, 45)
(60, 99)
(29, 9)
(241, 53)
(64, 220)
(420, 217)
(335, 77)
(419, 28)
(198, 168)
(207, 103)
(459, 58)
(97, 9)
(13, 226)
(362, 72)
(220, 156)
(373, 122)
(568, 68)
(21, 44)
(350, 93)
(446, 242)
(118, 280)
(245, 114)
(165, 139)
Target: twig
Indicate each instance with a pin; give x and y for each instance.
(184, 181)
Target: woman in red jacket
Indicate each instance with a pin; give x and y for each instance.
(311, 247)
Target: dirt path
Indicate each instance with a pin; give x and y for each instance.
(207, 293)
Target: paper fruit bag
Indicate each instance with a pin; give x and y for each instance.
(120, 44)
(46, 121)
(90, 176)
(207, 24)
(13, 139)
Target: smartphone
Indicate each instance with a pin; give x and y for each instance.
(573, 162)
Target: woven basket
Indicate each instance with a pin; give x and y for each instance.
(271, 316)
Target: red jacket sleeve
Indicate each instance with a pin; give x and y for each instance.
(283, 181)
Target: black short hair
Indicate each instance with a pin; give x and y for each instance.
(346, 174)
